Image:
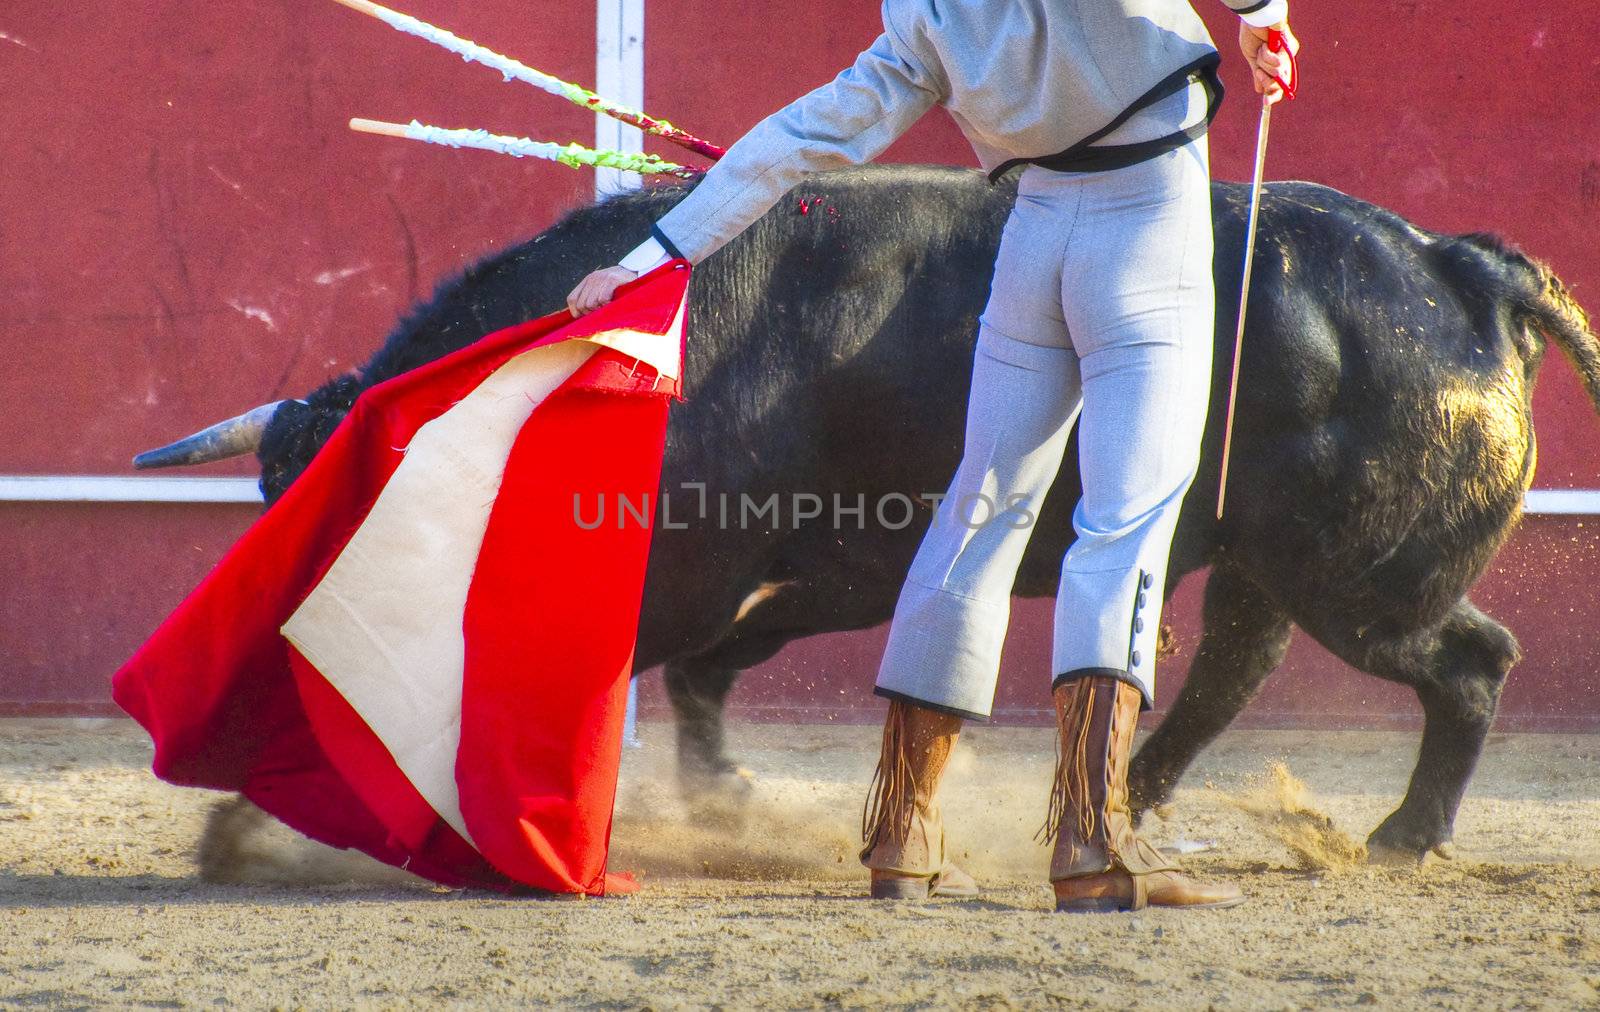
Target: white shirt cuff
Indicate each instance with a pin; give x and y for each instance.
(646, 257)
(1273, 13)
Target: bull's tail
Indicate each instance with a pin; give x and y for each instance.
(1538, 300)
(1556, 314)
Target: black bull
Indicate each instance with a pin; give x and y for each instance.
(1383, 443)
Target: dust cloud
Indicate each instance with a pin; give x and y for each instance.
(1281, 804)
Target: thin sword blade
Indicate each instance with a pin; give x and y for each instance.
(1244, 295)
(1255, 213)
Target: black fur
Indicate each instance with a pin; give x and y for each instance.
(1383, 442)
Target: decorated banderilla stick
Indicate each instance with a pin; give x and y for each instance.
(509, 68)
(574, 155)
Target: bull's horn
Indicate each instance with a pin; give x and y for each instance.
(232, 438)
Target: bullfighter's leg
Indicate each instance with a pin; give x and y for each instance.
(1245, 639)
(943, 655)
(944, 643)
(1137, 295)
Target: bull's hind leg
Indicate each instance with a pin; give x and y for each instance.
(1457, 670)
(1245, 638)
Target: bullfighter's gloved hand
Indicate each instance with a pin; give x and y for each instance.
(1266, 66)
(597, 289)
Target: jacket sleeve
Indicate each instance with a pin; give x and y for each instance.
(1260, 13)
(846, 122)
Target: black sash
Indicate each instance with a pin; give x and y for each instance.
(1082, 157)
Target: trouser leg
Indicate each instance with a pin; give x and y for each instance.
(1137, 295)
(1138, 302)
(944, 643)
(943, 653)
(950, 621)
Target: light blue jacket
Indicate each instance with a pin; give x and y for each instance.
(1022, 78)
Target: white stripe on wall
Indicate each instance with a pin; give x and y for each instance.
(619, 76)
(1563, 501)
(141, 488)
(129, 488)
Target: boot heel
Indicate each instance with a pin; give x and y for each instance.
(1092, 905)
(899, 888)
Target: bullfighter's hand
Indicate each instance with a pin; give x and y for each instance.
(1265, 65)
(597, 289)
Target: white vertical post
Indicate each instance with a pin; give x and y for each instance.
(619, 75)
(630, 719)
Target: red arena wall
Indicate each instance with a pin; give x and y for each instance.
(187, 229)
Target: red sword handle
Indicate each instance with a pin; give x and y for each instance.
(1279, 44)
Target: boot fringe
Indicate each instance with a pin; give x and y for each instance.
(1069, 790)
(888, 809)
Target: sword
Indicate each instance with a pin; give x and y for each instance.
(1276, 43)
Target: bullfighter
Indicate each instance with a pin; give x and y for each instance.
(1099, 313)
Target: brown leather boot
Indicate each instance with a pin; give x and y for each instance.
(1099, 863)
(901, 826)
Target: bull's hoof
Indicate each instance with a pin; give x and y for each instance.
(1394, 857)
(1395, 845)
(720, 798)
(1146, 800)
(726, 781)
(223, 844)
(244, 845)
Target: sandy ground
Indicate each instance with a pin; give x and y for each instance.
(101, 902)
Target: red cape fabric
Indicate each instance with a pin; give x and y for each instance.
(549, 627)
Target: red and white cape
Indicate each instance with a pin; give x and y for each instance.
(422, 651)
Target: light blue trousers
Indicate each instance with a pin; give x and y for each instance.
(1100, 312)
